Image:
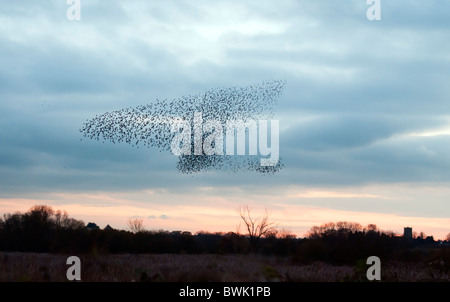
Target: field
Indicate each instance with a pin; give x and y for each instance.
(199, 268)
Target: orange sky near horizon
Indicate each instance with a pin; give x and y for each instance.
(210, 213)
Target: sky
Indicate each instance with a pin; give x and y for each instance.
(364, 115)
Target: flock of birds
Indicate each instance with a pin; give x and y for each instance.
(150, 125)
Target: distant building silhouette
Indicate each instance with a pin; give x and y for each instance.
(407, 233)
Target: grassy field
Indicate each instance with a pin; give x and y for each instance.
(198, 268)
(193, 268)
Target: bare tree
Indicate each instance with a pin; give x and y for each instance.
(280, 234)
(372, 228)
(136, 225)
(40, 214)
(256, 227)
(345, 226)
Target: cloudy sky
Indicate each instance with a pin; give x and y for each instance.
(364, 116)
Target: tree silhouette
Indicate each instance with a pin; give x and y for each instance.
(135, 225)
(341, 228)
(372, 228)
(256, 227)
(40, 229)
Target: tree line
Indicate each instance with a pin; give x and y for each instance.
(43, 230)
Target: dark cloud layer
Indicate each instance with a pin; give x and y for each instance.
(356, 91)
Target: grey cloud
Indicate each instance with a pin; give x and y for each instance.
(348, 131)
(165, 217)
(399, 160)
(368, 82)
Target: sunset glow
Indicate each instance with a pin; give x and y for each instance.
(359, 108)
